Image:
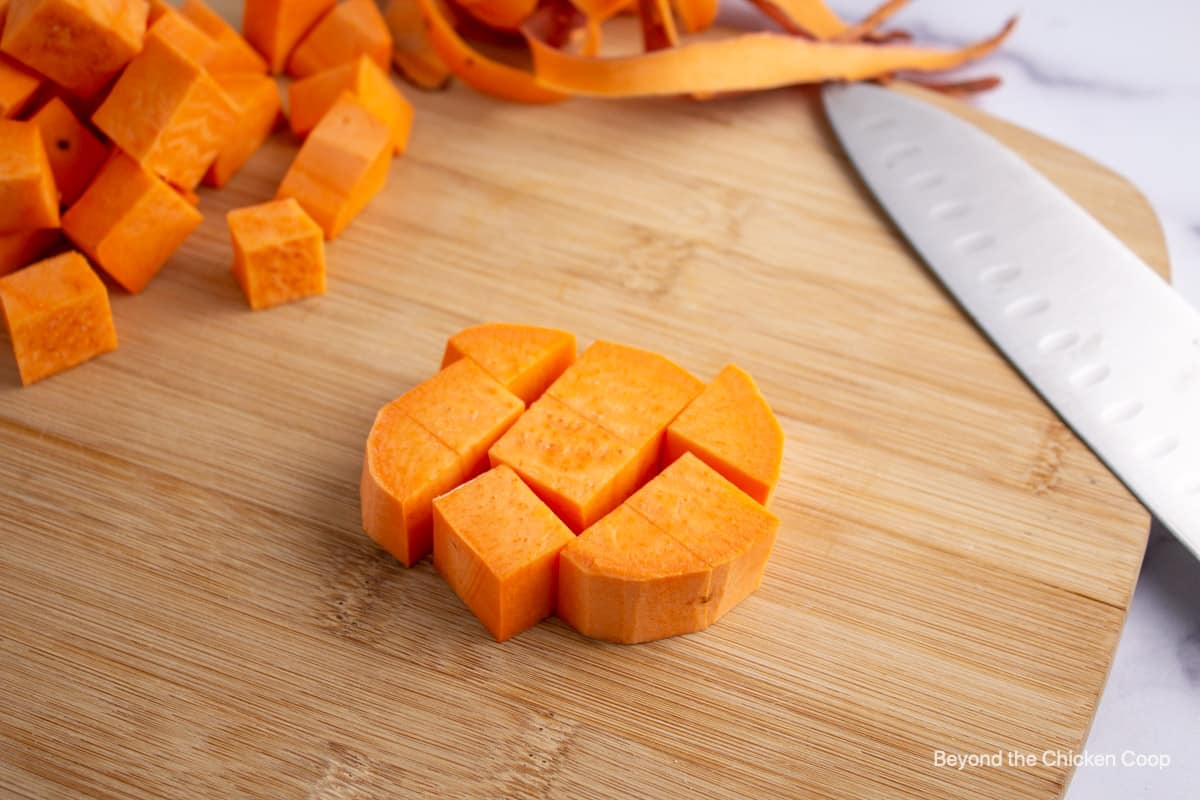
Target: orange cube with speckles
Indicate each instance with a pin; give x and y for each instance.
(278, 253)
(497, 545)
(129, 222)
(310, 98)
(257, 100)
(274, 27)
(168, 113)
(28, 196)
(78, 44)
(57, 316)
(75, 153)
(577, 467)
(352, 28)
(341, 165)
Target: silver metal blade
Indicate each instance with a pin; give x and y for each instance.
(1097, 333)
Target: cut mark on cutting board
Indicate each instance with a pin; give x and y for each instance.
(359, 571)
(1043, 475)
(347, 776)
(530, 761)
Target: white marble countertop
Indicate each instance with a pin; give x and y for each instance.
(1119, 82)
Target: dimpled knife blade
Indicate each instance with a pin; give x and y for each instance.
(1104, 340)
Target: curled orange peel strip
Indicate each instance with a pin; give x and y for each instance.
(809, 18)
(872, 21)
(748, 62)
(477, 70)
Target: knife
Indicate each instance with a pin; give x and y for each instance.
(1099, 335)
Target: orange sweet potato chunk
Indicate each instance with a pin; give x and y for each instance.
(233, 53)
(465, 408)
(75, 153)
(578, 468)
(731, 428)
(169, 113)
(28, 197)
(633, 393)
(405, 467)
(525, 358)
(728, 530)
(57, 316)
(129, 222)
(626, 580)
(257, 99)
(497, 546)
(174, 30)
(352, 28)
(275, 27)
(79, 44)
(278, 253)
(17, 87)
(341, 165)
(310, 98)
(21, 248)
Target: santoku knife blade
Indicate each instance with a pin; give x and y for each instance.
(1104, 340)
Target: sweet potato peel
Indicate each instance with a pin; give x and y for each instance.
(748, 62)
(477, 70)
(563, 38)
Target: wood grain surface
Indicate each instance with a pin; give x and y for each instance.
(189, 608)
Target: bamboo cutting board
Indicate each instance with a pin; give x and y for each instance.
(188, 607)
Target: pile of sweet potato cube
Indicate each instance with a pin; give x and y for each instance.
(112, 112)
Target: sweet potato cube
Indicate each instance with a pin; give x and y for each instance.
(57, 316)
(350, 29)
(712, 518)
(525, 358)
(465, 408)
(626, 580)
(405, 467)
(233, 53)
(497, 545)
(578, 468)
(21, 248)
(278, 253)
(17, 87)
(169, 113)
(257, 99)
(275, 27)
(731, 428)
(157, 9)
(28, 197)
(177, 31)
(633, 393)
(309, 99)
(341, 165)
(79, 44)
(129, 222)
(75, 153)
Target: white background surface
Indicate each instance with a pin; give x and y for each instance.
(1120, 82)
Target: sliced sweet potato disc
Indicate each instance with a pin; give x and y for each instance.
(747, 62)
(477, 70)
